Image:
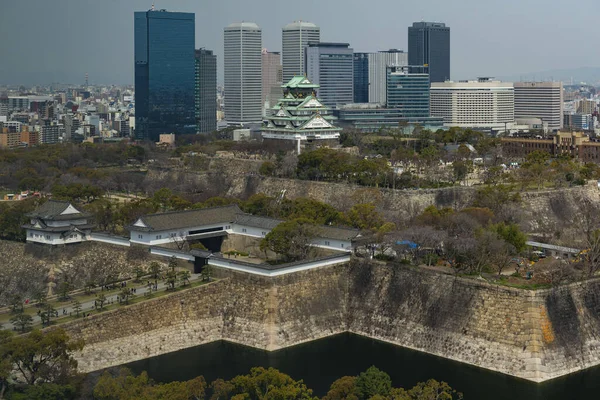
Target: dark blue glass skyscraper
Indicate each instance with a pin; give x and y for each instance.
(429, 45)
(361, 77)
(164, 73)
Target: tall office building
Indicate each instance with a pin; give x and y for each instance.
(164, 73)
(542, 100)
(243, 66)
(429, 44)
(295, 38)
(272, 79)
(378, 64)
(408, 90)
(206, 91)
(361, 77)
(331, 66)
(370, 74)
(483, 104)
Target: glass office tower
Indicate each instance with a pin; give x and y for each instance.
(164, 73)
(361, 77)
(408, 90)
(429, 44)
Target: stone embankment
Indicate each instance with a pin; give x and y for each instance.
(533, 335)
(240, 179)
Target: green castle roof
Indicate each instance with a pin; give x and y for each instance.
(300, 82)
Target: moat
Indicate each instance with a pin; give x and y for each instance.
(321, 362)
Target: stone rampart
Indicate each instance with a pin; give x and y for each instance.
(535, 335)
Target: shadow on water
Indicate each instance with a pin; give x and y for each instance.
(321, 362)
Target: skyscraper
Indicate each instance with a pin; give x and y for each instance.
(206, 91)
(331, 66)
(408, 90)
(429, 44)
(272, 78)
(295, 38)
(370, 74)
(164, 73)
(243, 86)
(542, 100)
(361, 77)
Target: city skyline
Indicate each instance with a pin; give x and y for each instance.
(102, 46)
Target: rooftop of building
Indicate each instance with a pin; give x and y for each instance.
(300, 24)
(424, 24)
(57, 210)
(243, 25)
(184, 219)
(328, 44)
(300, 82)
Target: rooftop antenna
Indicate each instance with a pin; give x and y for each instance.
(152, 7)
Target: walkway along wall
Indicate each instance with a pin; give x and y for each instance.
(533, 335)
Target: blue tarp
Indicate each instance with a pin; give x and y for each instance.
(411, 245)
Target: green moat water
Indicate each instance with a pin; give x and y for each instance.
(321, 362)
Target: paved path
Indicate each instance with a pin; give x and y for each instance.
(88, 307)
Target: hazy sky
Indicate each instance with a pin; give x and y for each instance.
(43, 41)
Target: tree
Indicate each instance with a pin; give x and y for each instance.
(16, 303)
(184, 277)
(373, 382)
(291, 239)
(172, 274)
(39, 298)
(430, 390)
(343, 389)
(22, 321)
(89, 287)
(77, 307)
(139, 272)
(535, 166)
(6, 366)
(47, 314)
(511, 234)
(206, 273)
(100, 300)
(44, 357)
(364, 217)
(155, 269)
(263, 384)
(122, 384)
(65, 288)
(125, 295)
(267, 168)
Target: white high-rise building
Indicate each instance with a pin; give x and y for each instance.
(378, 63)
(483, 104)
(243, 73)
(542, 100)
(295, 38)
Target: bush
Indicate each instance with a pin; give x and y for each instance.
(384, 257)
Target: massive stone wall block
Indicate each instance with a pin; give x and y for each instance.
(536, 335)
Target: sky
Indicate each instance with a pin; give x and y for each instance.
(45, 41)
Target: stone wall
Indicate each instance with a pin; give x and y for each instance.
(532, 335)
(240, 179)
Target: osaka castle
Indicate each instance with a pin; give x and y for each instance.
(300, 116)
